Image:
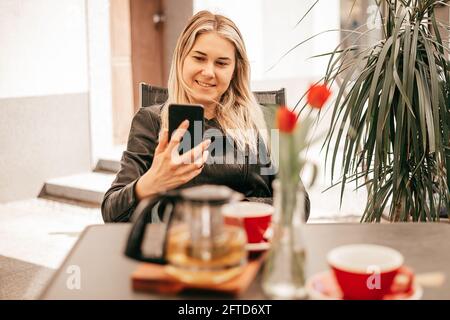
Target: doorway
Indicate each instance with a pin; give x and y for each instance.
(147, 47)
(137, 55)
(143, 37)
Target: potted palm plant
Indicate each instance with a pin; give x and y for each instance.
(392, 114)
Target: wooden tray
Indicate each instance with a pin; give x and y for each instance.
(154, 278)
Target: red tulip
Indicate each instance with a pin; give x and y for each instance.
(286, 119)
(317, 95)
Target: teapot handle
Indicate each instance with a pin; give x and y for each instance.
(134, 244)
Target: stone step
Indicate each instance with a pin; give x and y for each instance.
(107, 165)
(86, 187)
(110, 161)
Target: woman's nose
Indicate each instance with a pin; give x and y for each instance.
(208, 70)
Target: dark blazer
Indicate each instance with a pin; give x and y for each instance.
(245, 176)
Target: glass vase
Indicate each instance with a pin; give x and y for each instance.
(284, 269)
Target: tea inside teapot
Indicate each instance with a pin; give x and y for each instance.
(200, 246)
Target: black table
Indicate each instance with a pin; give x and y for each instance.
(105, 271)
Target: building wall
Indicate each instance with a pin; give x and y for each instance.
(44, 102)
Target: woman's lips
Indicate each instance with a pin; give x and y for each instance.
(204, 84)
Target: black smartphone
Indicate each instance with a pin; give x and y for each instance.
(192, 112)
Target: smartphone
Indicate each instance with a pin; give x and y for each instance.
(195, 114)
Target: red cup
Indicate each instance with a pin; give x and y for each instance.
(369, 272)
(254, 216)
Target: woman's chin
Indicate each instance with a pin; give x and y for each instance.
(204, 100)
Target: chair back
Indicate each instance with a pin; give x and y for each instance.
(150, 95)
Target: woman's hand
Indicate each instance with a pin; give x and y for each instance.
(170, 170)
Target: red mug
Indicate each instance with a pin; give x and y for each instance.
(254, 216)
(369, 272)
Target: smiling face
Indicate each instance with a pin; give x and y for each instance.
(208, 68)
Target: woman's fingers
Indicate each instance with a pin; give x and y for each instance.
(177, 136)
(195, 155)
(163, 141)
(193, 167)
(204, 158)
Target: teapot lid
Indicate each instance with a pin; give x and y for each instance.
(210, 193)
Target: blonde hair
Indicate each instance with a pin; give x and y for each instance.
(237, 109)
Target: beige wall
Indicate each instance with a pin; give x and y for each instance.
(44, 101)
(43, 49)
(41, 138)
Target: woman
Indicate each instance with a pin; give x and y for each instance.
(209, 67)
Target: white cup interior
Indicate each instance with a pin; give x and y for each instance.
(365, 258)
(247, 209)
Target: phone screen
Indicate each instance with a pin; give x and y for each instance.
(192, 112)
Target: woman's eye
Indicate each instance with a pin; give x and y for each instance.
(222, 64)
(199, 58)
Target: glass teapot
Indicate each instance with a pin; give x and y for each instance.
(198, 246)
